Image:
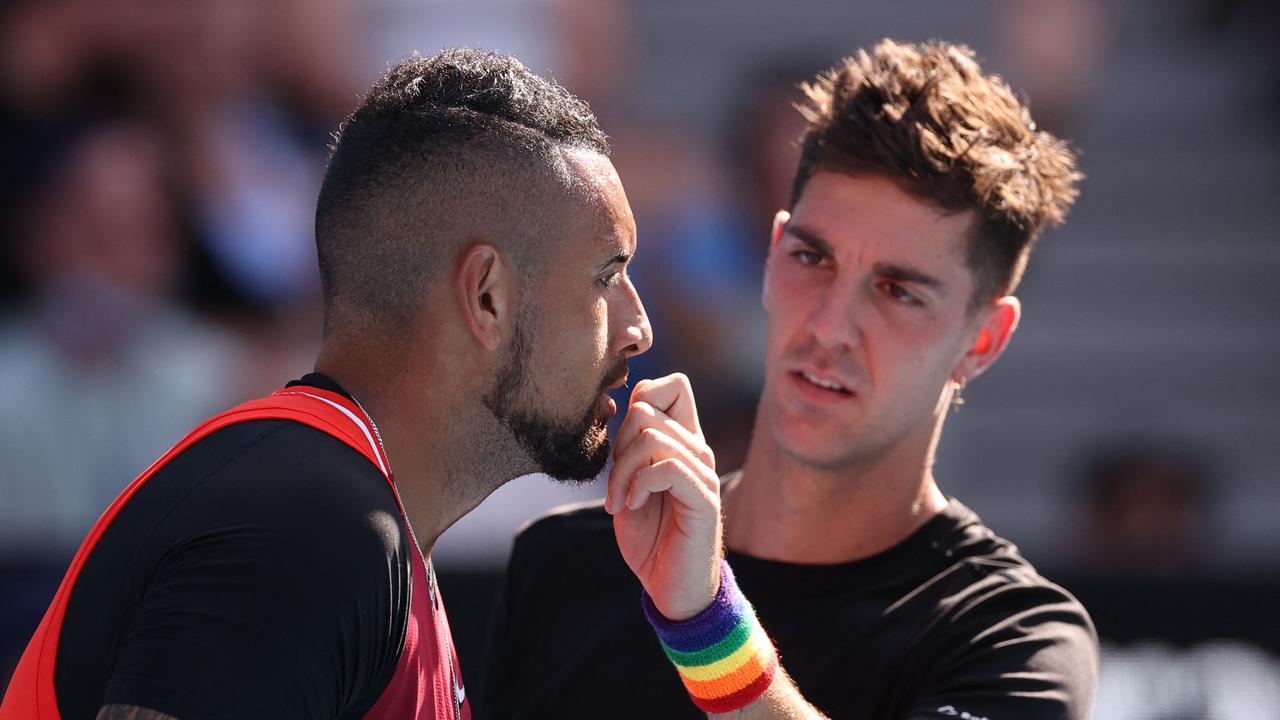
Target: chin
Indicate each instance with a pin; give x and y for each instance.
(825, 446)
(576, 458)
(822, 457)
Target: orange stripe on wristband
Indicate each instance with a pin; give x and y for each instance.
(727, 684)
(743, 697)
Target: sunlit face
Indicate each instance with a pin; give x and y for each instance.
(868, 294)
(574, 336)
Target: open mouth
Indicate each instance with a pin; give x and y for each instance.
(814, 381)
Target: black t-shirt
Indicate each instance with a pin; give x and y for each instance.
(263, 572)
(950, 621)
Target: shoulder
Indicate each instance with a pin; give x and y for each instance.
(994, 577)
(276, 489)
(991, 581)
(287, 559)
(995, 599)
(1005, 638)
(1010, 594)
(272, 462)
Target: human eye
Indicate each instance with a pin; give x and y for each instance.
(900, 294)
(806, 256)
(611, 280)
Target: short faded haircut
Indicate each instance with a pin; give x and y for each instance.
(460, 146)
(926, 116)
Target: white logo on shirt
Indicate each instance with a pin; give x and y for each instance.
(953, 712)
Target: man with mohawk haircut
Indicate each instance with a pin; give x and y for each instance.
(851, 587)
(473, 242)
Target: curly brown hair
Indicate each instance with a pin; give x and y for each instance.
(926, 116)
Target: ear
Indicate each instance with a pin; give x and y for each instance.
(780, 220)
(1000, 320)
(487, 293)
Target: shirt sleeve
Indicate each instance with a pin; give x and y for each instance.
(1024, 651)
(278, 592)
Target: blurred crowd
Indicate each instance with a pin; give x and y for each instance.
(158, 170)
(159, 163)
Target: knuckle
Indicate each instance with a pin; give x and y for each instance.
(661, 468)
(651, 434)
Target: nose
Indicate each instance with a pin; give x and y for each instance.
(834, 322)
(637, 335)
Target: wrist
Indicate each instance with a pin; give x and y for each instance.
(678, 608)
(722, 654)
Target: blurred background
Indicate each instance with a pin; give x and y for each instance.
(159, 163)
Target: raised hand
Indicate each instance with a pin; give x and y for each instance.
(665, 498)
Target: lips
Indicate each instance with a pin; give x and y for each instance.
(610, 405)
(823, 382)
(620, 382)
(617, 378)
(820, 387)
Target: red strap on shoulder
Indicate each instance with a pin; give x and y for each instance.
(31, 693)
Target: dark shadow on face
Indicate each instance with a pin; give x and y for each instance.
(571, 452)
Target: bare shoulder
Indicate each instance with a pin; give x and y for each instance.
(130, 712)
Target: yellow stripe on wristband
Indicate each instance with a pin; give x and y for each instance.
(727, 684)
(757, 645)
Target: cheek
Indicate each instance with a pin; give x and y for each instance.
(918, 359)
(901, 352)
(595, 331)
(788, 302)
(572, 335)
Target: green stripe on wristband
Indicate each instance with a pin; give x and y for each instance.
(715, 653)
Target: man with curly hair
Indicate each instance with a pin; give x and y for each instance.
(851, 586)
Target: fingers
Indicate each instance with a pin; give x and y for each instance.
(671, 395)
(643, 416)
(671, 476)
(651, 448)
(661, 424)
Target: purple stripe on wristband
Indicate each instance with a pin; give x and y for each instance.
(709, 626)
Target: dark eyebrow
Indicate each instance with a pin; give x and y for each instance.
(619, 259)
(810, 237)
(906, 274)
(892, 271)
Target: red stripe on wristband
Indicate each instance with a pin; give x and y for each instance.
(743, 697)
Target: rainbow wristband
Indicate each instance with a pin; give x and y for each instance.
(724, 657)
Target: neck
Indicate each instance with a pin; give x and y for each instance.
(443, 452)
(784, 509)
